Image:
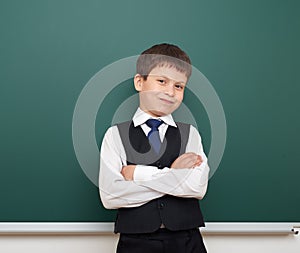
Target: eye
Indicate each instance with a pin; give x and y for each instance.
(161, 81)
(179, 86)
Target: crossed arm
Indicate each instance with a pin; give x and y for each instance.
(185, 161)
(123, 185)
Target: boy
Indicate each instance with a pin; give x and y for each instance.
(152, 169)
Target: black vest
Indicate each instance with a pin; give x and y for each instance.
(174, 212)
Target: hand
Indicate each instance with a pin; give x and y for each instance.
(187, 161)
(127, 172)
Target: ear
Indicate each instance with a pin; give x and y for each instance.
(138, 82)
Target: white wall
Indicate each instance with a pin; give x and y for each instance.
(107, 243)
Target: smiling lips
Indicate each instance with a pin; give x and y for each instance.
(167, 101)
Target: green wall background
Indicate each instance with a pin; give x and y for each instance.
(249, 50)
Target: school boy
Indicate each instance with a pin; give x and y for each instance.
(152, 169)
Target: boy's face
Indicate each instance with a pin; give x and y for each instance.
(162, 92)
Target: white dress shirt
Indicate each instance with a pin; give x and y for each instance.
(148, 182)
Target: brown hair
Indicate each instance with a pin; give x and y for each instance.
(161, 55)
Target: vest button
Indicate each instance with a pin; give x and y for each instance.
(159, 165)
(161, 205)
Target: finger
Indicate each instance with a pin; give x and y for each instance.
(122, 172)
(198, 160)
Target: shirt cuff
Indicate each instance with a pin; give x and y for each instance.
(143, 173)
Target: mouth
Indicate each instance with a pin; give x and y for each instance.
(167, 101)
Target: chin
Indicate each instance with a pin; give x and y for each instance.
(161, 113)
(157, 113)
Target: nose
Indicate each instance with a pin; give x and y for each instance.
(170, 90)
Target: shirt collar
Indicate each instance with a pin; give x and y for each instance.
(140, 117)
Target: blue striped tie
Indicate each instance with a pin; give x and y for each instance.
(153, 135)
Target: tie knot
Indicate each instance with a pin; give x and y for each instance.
(154, 123)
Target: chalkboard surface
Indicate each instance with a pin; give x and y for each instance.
(249, 51)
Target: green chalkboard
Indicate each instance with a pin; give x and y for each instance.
(248, 50)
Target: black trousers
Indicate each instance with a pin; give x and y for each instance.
(162, 241)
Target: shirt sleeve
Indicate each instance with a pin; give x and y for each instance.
(115, 191)
(178, 182)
